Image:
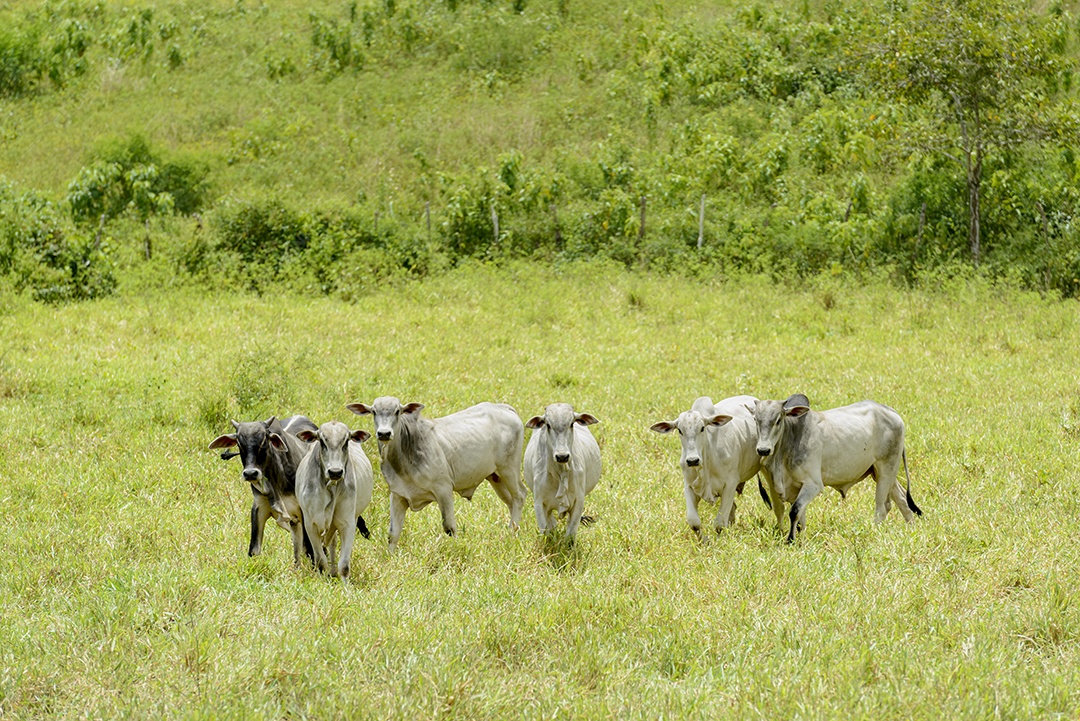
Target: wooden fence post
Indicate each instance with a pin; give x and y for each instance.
(495, 221)
(701, 223)
(641, 229)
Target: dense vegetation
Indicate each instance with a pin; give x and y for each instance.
(331, 146)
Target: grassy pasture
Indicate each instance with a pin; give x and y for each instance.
(126, 590)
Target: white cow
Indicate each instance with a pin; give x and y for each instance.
(719, 455)
(425, 460)
(803, 451)
(333, 485)
(562, 465)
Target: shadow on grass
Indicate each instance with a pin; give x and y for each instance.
(562, 554)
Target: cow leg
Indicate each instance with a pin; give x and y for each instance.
(542, 521)
(398, 506)
(514, 498)
(444, 496)
(726, 515)
(576, 510)
(807, 493)
(317, 549)
(300, 539)
(885, 477)
(348, 536)
(260, 513)
(692, 517)
(899, 497)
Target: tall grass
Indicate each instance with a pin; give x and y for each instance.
(127, 591)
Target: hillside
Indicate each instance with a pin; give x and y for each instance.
(328, 141)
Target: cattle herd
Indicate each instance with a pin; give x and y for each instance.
(316, 481)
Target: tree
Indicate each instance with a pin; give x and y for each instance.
(984, 75)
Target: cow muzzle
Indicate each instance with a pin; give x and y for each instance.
(252, 474)
(384, 435)
(562, 457)
(335, 474)
(764, 452)
(693, 462)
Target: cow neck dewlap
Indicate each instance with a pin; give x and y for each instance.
(414, 445)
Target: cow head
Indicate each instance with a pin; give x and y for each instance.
(388, 412)
(333, 439)
(691, 426)
(254, 442)
(770, 417)
(558, 421)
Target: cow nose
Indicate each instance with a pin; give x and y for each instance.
(764, 451)
(335, 473)
(251, 474)
(384, 435)
(693, 461)
(562, 457)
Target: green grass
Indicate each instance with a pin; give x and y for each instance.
(127, 591)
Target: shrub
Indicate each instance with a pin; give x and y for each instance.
(127, 176)
(53, 262)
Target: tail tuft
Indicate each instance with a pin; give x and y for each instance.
(764, 495)
(362, 527)
(911, 504)
(587, 519)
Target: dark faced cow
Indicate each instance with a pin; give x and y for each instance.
(271, 452)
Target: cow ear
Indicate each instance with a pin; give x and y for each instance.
(662, 427)
(360, 409)
(226, 441)
(719, 420)
(535, 422)
(308, 436)
(359, 436)
(277, 442)
(586, 419)
(412, 408)
(796, 411)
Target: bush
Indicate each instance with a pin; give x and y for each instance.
(43, 256)
(128, 177)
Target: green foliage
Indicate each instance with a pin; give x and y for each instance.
(32, 50)
(40, 254)
(129, 177)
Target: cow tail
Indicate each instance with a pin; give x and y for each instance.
(764, 495)
(361, 526)
(910, 501)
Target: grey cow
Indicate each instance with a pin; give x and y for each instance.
(803, 451)
(562, 465)
(333, 486)
(270, 453)
(719, 455)
(428, 460)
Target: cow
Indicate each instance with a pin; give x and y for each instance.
(719, 455)
(562, 465)
(333, 488)
(802, 451)
(428, 460)
(270, 453)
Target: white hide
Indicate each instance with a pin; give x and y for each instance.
(718, 455)
(333, 486)
(562, 465)
(428, 460)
